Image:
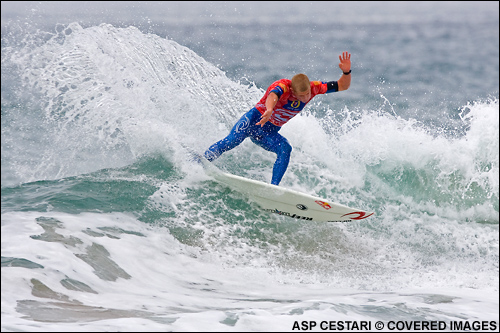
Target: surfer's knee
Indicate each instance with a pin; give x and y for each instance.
(285, 148)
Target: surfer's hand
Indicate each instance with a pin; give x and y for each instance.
(345, 62)
(265, 117)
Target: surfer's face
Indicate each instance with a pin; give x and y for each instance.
(304, 97)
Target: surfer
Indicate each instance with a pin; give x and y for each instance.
(283, 100)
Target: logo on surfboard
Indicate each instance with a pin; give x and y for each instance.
(323, 204)
(301, 207)
(361, 215)
(289, 214)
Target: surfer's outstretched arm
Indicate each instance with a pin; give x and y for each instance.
(345, 65)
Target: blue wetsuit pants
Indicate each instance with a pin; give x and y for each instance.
(266, 136)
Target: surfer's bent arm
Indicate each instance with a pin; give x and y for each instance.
(271, 101)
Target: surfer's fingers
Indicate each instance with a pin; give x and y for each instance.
(262, 122)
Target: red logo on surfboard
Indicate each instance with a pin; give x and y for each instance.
(323, 204)
(361, 215)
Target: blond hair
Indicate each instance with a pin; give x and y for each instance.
(300, 83)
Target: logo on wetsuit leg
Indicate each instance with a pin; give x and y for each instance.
(242, 124)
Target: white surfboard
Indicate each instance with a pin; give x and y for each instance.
(287, 202)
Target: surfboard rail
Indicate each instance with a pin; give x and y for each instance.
(287, 202)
